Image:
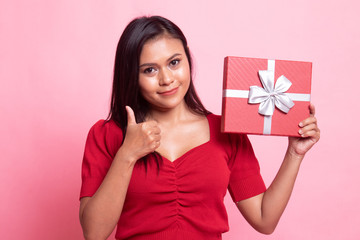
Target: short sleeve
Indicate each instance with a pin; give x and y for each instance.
(245, 179)
(102, 143)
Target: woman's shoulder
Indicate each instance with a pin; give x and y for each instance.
(214, 122)
(106, 126)
(214, 118)
(106, 131)
(215, 127)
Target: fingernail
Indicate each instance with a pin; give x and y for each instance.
(300, 132)
(301, 124)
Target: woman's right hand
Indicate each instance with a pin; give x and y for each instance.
(141, 139)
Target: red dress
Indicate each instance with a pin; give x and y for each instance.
(185, 198)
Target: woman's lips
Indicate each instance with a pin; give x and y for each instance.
(170, 92)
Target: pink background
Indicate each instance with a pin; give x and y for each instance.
(56, 61)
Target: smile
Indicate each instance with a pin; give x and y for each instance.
(170, 92)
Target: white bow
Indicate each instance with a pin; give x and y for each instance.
(268, 97)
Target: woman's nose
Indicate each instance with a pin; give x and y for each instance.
(166, 77)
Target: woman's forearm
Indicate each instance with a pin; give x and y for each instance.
(100, 213)
(264, 210)
(278, 194)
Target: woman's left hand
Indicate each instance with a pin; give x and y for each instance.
(309, 135)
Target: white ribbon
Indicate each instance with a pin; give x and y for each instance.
(268, 96)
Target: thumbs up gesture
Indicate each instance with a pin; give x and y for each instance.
(141, 138)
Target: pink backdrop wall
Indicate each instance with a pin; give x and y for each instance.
(56, 60)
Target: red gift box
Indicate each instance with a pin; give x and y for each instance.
(267, 97)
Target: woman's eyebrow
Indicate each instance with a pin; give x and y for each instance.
(147, 65)
(152, 64)
(175, 55)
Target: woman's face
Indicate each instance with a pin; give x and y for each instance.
(164, 73)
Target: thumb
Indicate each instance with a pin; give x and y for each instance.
(312, 109)
(130, 116)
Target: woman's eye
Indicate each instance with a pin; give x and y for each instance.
(174, 62)
(149, 70)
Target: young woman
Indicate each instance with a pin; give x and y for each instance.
(159, 167)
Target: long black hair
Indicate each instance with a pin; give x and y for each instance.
(126, 90)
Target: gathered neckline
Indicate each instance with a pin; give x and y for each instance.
(194, 148)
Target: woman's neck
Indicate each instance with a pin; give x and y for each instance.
(171, 116)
